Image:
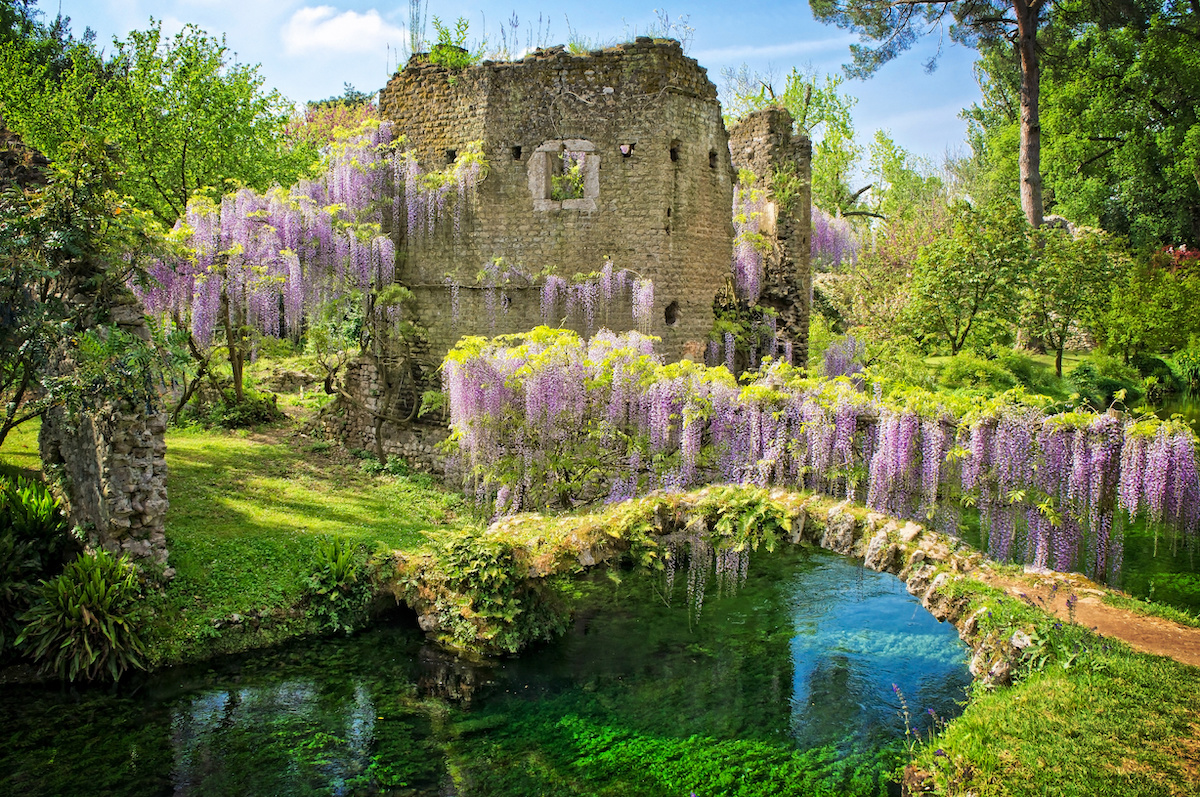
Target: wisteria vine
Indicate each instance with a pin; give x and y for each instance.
(553, 420)
(293, 251)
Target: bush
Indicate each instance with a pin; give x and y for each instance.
(967, 370)
(1187, 365)
(83, 626)
(1029, 372)
(340, 584)
(35, 542)
(1157, 369)
(1098, 379)
(254, 410)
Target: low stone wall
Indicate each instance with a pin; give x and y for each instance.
(926, 561)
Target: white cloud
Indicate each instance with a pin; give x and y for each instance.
(323, 29)
(770, 51)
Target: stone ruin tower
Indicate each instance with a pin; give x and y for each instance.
(111, 456)
(657, 183)
(656, 198)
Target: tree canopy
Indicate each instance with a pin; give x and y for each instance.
(179, 113)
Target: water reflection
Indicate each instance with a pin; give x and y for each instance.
(780, 685)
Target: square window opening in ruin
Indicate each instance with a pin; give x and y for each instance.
(564, 175)
(516, 153)
(674, 152)
(566, 178)
(451, 156)
(712, 159)
(627, 150)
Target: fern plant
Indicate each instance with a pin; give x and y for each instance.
(340, 585)
(35, 541)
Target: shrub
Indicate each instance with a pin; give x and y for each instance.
(35, 541)
(340, 584)
(969, 371)
(220, 408)
(1098, 379)
(82, 626)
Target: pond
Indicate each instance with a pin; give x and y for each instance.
(794, 685)
(1185, 404)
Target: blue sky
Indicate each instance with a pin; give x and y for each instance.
(308, 49)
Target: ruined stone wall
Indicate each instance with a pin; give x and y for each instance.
(111, 457)
(657, 196)
(353, 421)
(764, 143)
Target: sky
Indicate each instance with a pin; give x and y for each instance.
(308, 50)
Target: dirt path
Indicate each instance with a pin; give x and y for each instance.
(1154, 635)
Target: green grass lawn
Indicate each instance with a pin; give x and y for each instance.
(246, 514)
(245, 518)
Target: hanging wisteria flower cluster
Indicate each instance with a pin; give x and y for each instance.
(749, 204)
(274, 257)
(595, 297)
(556, 420)
(834, 241)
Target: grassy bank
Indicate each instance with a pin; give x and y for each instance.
(247, 513)
(1086, 716)
(248, 510)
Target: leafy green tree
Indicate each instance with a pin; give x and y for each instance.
(67, 248)
(1069, 281)
(181, 115)
(188, 120)
(893, 26)
(1152, 308)
(964, 285)
(1120, 99)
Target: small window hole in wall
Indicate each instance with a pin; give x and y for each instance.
(626, 150)
(451, 156)
(671, 315)
(712, 159)
(674, 152)
(516, 153)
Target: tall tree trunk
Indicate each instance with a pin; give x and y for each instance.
(1027, 13)
(234, 345)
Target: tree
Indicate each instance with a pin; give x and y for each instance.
(182, 117)
(894, 25)
(188, 120)
(1153, 307)
(1070, 280)
(964, 285)
(68, 244)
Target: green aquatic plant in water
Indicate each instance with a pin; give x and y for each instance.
(781, 689)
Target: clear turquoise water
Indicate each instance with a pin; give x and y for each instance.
(784, 688)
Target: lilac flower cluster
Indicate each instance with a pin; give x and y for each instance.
(569, 421)
(748, 206)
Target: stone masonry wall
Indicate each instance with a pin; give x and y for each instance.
(112, 457)
(659, 185)
(764, 143)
